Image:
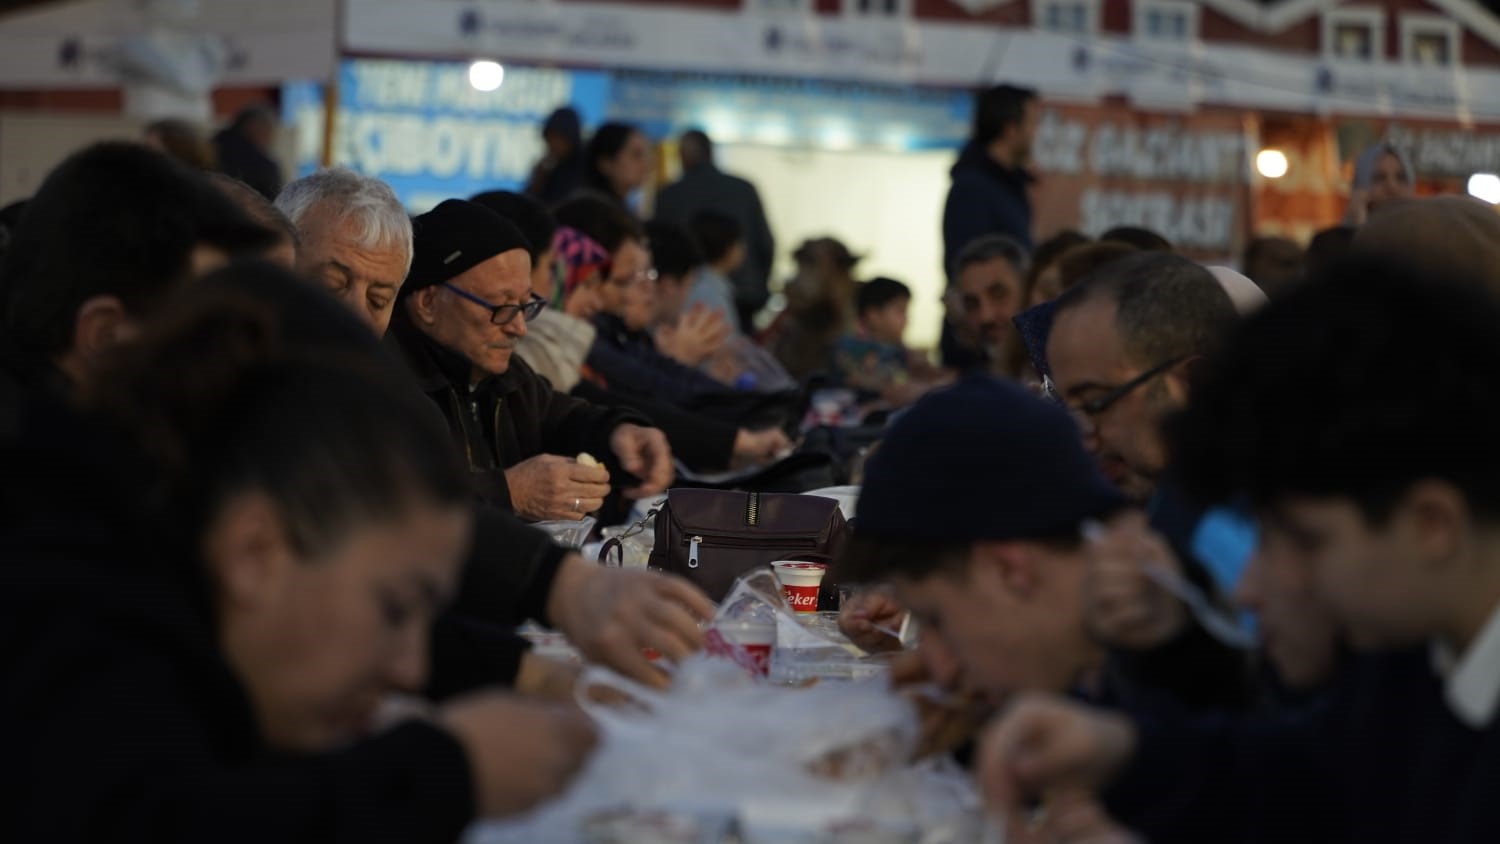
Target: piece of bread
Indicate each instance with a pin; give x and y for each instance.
(587, 459)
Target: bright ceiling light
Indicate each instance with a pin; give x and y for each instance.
(486, 75)
(1485, 186)
(1271, 163)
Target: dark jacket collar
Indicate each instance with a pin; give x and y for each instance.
(437, 367)
(975, 158)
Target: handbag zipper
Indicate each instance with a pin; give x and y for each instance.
(694, 542)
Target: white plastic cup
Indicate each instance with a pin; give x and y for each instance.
(800, 582)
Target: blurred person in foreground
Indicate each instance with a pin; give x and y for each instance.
(109, 234)
(705, 188)
(1401, 550)
(236, 595)
(266, 215)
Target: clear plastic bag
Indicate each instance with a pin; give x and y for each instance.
(788, 764)
(569, 533)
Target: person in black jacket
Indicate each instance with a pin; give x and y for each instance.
(990, 180)
(206, 600)
(1364, 464)
(463, 308)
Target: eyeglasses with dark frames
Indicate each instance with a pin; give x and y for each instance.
(501, 314)
(1098, 405)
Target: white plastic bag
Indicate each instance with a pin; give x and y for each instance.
(786, 763)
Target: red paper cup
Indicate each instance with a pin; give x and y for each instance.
(752, 640)
(799, 583)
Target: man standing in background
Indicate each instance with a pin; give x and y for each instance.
(990, 179)
(704, 187)
(988, 197)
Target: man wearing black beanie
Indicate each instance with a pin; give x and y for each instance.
(463, 308)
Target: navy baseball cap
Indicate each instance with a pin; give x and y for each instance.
(982, 459)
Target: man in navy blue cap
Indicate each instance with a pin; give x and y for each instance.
(971, 509)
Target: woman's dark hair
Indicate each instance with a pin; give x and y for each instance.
(528, 215)
(606, 144)
(1320, 394)
(223, 399)
(605, 222)
(115, 219)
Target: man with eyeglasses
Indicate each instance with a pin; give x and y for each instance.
(462, 310)
(1122, 346)
(1120, 351)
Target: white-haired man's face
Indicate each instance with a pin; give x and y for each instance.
(365, 279)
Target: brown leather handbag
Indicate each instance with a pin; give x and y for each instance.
(712, 536)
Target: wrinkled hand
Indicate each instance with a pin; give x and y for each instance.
(947, 715)
(643, 452)
(613, 615)
(520, 752)
(1074, 818)
(863, 611)
(546, 486)
(1122, 606)
(700, 334)
(1044, 743)
(757, 448)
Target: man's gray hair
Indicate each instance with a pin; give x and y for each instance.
(982, 250)
(380, 220)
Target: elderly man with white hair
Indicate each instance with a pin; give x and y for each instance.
(356, 239)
